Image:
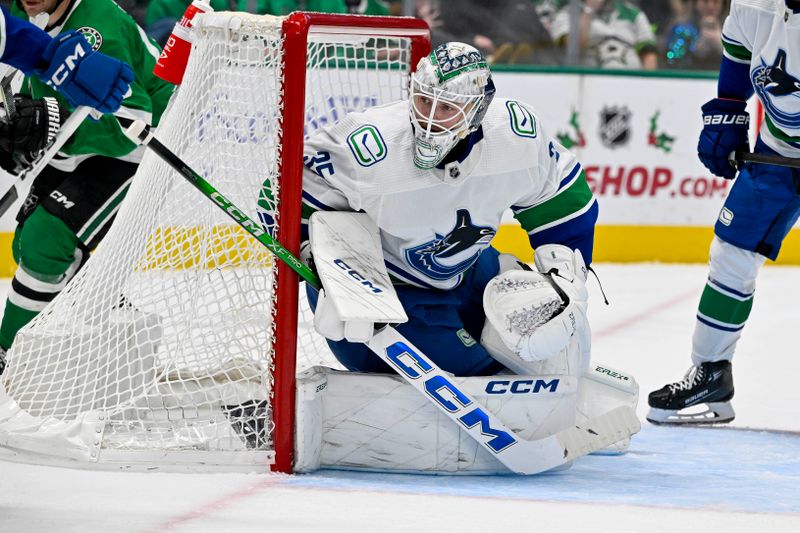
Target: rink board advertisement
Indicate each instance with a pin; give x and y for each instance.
(636, 137)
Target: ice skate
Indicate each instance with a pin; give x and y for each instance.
(702, 397)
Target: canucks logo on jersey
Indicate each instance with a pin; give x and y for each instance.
(773, 84)
(449, 255)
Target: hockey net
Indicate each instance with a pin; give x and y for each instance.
(174, 347)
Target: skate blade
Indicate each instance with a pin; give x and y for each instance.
(708, 413)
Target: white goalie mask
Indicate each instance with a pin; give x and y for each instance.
(450, 92)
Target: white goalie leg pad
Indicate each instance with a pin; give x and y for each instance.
(378, 422)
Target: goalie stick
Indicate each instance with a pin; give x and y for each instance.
(518, 455)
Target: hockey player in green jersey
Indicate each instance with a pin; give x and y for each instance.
(73, 201)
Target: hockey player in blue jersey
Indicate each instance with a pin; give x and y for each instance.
(759, 39)
(436, 173)
(66, 63)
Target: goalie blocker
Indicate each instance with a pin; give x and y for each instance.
(379, 422)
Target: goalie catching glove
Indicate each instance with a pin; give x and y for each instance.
(537, 312)
(29, 130)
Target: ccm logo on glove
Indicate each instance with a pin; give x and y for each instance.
(62, 72)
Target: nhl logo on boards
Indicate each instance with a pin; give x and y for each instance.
(615, 126)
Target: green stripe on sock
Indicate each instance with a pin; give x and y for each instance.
(14, 318)
(723, 308)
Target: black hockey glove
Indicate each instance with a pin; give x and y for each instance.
(29, 130)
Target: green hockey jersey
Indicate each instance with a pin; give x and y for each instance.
(112, 31)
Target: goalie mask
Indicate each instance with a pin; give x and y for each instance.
(450, 92)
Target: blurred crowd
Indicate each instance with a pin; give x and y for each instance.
(618, 34)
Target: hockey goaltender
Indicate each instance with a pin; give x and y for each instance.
(401, 203)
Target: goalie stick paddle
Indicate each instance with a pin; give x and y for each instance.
(518, 455)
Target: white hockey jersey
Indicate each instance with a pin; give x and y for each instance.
(435, 223)
(765, 35)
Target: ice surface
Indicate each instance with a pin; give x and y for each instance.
(673, 479)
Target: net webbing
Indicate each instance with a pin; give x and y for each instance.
(168, 331)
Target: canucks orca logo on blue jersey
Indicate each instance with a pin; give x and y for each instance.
(774, 84)
(449, 255)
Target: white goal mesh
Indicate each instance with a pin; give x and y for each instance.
(162, 349)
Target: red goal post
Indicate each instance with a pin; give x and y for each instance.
(296, 28)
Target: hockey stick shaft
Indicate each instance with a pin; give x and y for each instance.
(8, 74)
(64, 133)
(519, 455)
(767, 159)
(140, 133)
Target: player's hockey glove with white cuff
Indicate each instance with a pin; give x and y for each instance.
(725, 129)
(29, 130)
(83, 76)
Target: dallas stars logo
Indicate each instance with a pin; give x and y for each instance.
(93, 36)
